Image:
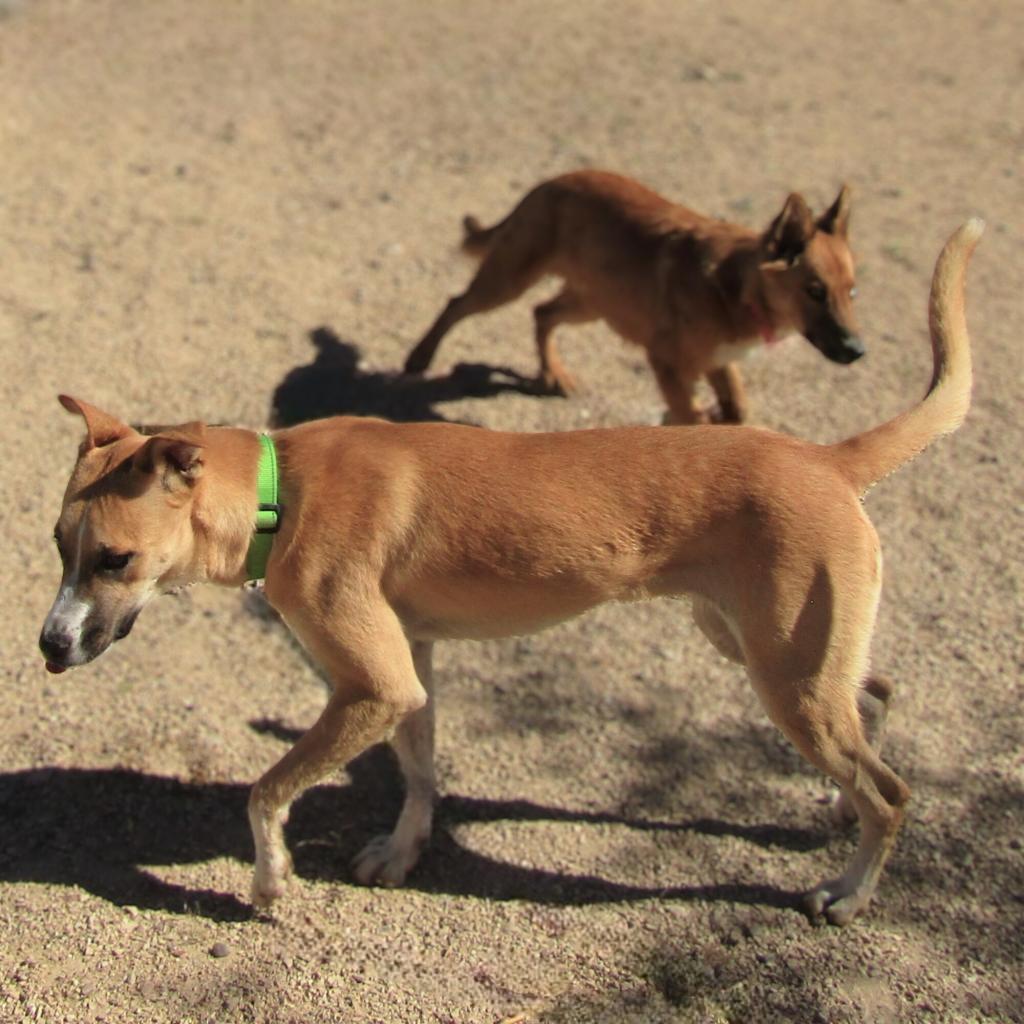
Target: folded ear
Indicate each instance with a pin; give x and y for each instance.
(789, 233)
(101, 428)
(836, 219)
(175, 455)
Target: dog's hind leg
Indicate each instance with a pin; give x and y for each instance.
(367, 658)
(517, 258)
(387, 859)
(873, 706)
(565, 308)
(823, 723)
(810, 691)
(872, 698)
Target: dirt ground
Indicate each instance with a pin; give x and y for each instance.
(238, 211)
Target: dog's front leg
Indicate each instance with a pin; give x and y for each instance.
(387, 859)
(732, 396)
(679, 391)
(676, 379)
(344, 729)
(374, 690)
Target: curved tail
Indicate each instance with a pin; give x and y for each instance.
(477, 239)
(868, 457)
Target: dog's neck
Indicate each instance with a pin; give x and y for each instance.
(765, 328)
(224, 511)
(737, 278)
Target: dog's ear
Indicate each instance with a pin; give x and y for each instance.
(836, 219)
(175, 456)
(100, 427)
(789, 233)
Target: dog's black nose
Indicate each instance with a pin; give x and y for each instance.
(846, 349)
(853, 347)
(55, 645)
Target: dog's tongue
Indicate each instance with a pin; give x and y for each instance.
(55, 669)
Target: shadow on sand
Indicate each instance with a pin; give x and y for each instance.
(101, 829)
(333, 385)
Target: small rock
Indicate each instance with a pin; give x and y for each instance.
(220, 949)
(703, 73)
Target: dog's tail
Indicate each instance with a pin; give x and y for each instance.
(869, 457)
(477, 239)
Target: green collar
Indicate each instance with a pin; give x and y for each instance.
(268, 511)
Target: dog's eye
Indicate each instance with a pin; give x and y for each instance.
(114, 561)
(816, 291)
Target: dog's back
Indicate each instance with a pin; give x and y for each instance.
(591, 214)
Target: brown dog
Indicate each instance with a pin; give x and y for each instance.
(694, 292)
(393, 536)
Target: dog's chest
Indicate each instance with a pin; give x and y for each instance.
(731, 351)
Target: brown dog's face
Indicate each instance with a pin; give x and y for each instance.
(808, 277)
(124, 534)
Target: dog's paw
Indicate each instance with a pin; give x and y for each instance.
(270, 882)
(835, 902)
(266, 892)
(384, 862)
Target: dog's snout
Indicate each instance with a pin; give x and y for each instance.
(56, 645)
(853, 347)
(843, 349)
(836, 342)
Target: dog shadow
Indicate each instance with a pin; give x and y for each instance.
(109, 831)
(333, 384)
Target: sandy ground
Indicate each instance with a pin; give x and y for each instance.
(233, 210)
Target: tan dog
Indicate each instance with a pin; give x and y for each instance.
(396, 535)
(694, 292)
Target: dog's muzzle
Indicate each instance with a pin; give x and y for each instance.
(838, 346)
(849, 350)
(56, 646)
(59, 645)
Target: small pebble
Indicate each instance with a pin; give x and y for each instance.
(220, 949)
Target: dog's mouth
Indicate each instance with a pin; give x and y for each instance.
(125, 626)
